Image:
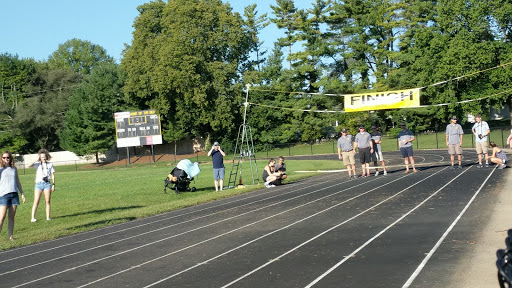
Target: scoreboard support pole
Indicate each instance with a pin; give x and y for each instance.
(153, 153)
(128, 155)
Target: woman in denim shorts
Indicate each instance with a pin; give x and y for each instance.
(45, 182)
(9, 187)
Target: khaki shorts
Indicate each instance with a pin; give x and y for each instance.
(481, 147)
(454, 149)
(348, 158)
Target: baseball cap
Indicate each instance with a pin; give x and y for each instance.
(402, 124)
(343, 130)
(361, 126)
(454, 117)
(374, 127)
(215, 143)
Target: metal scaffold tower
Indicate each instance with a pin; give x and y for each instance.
(244, 150)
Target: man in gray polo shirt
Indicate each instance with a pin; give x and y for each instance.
(346, 152)
(363, 141)
(405, 138)
(454, 135)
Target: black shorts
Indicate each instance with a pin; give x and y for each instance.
(364, 155)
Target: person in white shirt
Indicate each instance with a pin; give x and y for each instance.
(481, 130)
(45, 182)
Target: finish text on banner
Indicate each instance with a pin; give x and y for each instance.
(382, 100)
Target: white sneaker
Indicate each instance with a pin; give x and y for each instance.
(33, 220)
(267, 185)
(385, 173)
(48, 219)
(271, 185)
(377, 173)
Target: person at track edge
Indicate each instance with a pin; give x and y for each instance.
(363, 143)
(405, 138)
(346, 152)
(377, 151)
(454, 135)
(481, 130)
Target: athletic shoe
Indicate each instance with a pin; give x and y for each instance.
(48, 219)
(33, 220)
(479, 165)
(270, 186)
(502, 166)
(267, 185)
(459, 167)
(377, 173)
(363, 176)
(354, 176)
(486, 165)
(385, 173)
(453, 167)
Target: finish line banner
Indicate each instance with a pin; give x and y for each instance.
(382, 100)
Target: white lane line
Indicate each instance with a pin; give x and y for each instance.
(170, 237)
(380, 233)
(245, 226)
(275, 231)
(424, 262)
(330, 229)
(153, 222)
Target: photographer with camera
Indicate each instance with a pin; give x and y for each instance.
(218, 165)
(481, 130)
(45, 182)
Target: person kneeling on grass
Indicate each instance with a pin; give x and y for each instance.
(271, 177)
(498, 156)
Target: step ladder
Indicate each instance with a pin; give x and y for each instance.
(244, 151)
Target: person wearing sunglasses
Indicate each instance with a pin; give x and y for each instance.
(45, 183)
(10, 186)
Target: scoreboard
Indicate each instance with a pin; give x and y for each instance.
(138, 128)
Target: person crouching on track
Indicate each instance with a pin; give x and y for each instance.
(363, 141)
(498, 156)
(270, 176)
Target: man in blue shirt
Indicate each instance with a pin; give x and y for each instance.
(218, 165)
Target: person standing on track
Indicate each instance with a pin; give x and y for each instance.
(346, 152)
(481, 130)
(405, 138)
(454, 135)
(363, 141)
(377, 151)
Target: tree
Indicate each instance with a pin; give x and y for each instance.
(40, 117)
(185, 61)
(89, 127)
(15, 75)
(79, 55)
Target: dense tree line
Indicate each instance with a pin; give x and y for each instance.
(191, 59)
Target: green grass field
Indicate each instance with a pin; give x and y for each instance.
(90, 199)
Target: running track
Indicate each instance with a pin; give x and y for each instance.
(399, 230)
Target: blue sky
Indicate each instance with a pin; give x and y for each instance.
(35, 28)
